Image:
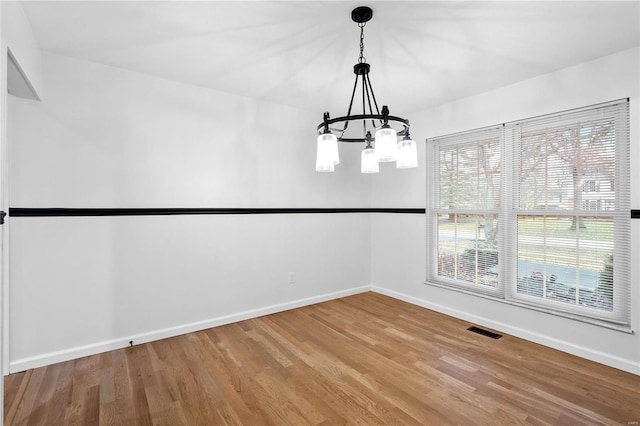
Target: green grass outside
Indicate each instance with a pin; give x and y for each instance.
(594, 229)
(561, 228)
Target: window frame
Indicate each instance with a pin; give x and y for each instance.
(488, 133)
(506, 290)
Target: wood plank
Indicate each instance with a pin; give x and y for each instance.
(364, 359)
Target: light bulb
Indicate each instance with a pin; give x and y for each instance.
(386, 144)
(407, 154)
(369, 162)
(327, 153)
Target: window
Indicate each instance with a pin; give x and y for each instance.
(526, 212)
(467, 213)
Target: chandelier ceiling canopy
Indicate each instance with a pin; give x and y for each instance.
(384, 146)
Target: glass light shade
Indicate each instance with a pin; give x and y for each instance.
(327, 153)
(386, 144)
(332, 146)
(407, 154)
(369, 162)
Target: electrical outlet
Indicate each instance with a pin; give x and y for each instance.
(292, 277)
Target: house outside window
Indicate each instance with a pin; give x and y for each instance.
(526, 212)
(589, 186)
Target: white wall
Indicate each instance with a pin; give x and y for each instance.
(398, 241)
(19, 38)
(105, 137)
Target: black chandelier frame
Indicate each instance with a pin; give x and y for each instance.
(383, 118)
(361, 15)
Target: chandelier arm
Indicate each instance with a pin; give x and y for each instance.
(364, 111)
(353, 94)
(373, 123)
(375, 102)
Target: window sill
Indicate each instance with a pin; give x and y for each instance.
(609, 325)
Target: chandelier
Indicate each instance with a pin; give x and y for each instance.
(384, 146)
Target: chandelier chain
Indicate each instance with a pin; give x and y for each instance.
(362, 59)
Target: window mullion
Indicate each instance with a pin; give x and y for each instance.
(510, 141)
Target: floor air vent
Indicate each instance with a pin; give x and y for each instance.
(485, 332)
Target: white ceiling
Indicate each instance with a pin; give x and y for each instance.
(301, 53)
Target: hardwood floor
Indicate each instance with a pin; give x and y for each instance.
(365, 359)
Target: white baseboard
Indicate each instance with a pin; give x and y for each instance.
(92, 349)
(109, 345)
(602, 358)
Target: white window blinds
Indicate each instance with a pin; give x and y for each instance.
(467, 210)
(537, 212)
(571, 209)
